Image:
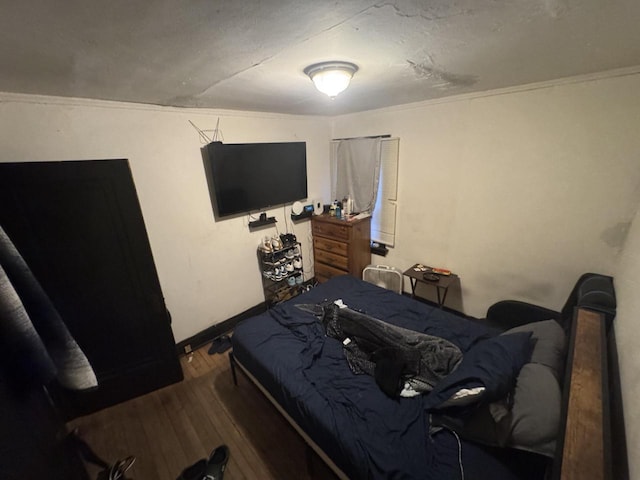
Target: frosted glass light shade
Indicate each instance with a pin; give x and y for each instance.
(331, 78)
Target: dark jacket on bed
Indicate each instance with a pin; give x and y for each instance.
(393, 355)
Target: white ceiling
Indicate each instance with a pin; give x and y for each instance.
(249, 54)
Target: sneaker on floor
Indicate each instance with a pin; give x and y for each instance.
(217, 463)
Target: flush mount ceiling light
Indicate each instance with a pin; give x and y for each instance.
(331, 78)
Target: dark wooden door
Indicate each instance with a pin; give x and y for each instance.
(79, 226)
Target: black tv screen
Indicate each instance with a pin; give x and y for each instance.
(245, 177)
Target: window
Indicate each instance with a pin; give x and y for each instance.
(383, 222)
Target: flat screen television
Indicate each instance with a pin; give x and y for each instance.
(246, 177)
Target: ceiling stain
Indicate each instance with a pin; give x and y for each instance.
(426, 12)
(446, 80)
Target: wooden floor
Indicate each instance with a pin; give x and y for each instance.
(172, 428)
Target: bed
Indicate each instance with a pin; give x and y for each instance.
(361, 432)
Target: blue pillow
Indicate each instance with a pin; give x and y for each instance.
(493, 364)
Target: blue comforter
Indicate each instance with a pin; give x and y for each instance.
(367, 434)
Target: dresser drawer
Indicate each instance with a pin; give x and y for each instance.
(325, 272)
(339, 248)
(332, 259)
(331, 230)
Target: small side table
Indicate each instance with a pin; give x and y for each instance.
(416, 274)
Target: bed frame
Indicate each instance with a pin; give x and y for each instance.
(584, 449)
(310, 443)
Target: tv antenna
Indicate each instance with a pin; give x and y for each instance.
(204, 138)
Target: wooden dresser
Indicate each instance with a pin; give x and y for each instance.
(340, 246)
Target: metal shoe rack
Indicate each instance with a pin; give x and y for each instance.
(282, 273)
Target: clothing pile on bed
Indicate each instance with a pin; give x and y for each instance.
(403, 362)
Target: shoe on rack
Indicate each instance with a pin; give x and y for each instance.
(265, 245)
(217, 463)
(276, 243)
(196, 471)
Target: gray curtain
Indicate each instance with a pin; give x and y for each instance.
(358, 172)
(33, 334)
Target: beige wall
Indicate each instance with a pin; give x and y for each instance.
(517, 192)
(208, 270)
(627, 283)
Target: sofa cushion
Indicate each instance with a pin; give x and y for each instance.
(533, 421)
(551, 344)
